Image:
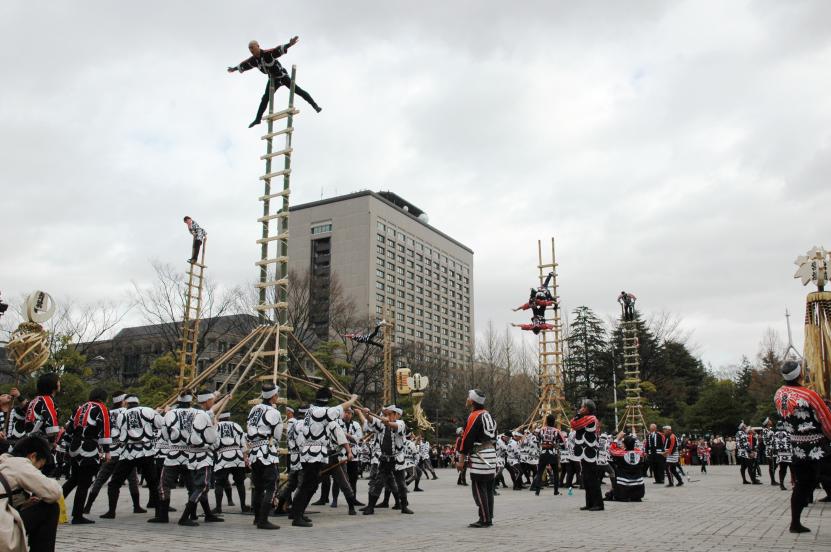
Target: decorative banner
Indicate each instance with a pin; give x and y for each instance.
(402, 377)
(39, 307)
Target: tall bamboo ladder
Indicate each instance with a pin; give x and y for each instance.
(633, 415)
(189, 338)
(273, 284)
(264, 349)
(550, 351)
(388, 329)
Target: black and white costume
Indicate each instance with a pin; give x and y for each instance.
(87, 432)
(229, 460)
(108, 468)
(390, 473)
(41, 418)
(263, 432)
(320, 443)
(294, 427)
(479, 449)
(550, 441)
(769, 452)
(268, 64)
(137, 428)
(585, 451)
(628, 464)
(783, 450)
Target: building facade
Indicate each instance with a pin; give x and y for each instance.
(383, 252)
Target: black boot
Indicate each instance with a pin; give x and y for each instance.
(186, 519)
(162, 509)
(369, 509)
(210, 517)
(404, 509)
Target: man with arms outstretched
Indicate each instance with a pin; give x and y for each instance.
(266, 62)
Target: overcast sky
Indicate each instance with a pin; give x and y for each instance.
(680, 150)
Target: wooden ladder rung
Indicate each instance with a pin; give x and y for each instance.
(280, 282)
(197, 264)
(281, 214)
(269, 176)
(286, 151)
(282, 114)
(270, 135)
(281, 305)
(281, 259)
(281, 193)
(283, 236)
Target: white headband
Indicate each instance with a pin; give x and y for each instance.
(793, 374)
(474, 395)
(119, 398)
(393, 408)
(132, 399)
(268, 393)
(185, 397)
(289, 409)
(204, 397)
(224, 416)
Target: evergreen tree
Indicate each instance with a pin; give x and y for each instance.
(588, 365)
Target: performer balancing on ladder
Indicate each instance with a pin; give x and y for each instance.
(368, 338)
(266, 62)
(538, 301)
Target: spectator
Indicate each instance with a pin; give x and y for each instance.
(29, 498)
(730, 447)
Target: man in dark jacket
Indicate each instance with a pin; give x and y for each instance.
(266, 62)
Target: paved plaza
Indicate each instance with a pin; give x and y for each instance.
(713, 512)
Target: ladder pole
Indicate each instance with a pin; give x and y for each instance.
(266, 203)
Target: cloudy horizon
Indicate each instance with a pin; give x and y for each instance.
(675, 150)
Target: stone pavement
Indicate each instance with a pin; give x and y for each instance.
(713, 512)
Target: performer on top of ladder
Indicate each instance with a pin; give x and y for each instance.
(539, 299)
(266, 62)
(368, 338)
(537, 325)
(627, 301)
(199, 236)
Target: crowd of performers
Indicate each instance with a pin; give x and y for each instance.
(109, 441)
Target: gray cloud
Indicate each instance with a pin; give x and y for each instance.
(677, 150)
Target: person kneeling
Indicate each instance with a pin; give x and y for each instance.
(28, 499)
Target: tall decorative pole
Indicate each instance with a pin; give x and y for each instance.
(814, 268)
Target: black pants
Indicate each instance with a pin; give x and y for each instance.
(169, 479)
(806, 475)
(222, 482)
(197, 244)
(104, 474)
(547, 460)
(672, 472)
(126, 469)
(340, 481)
(772, 469)
(783, 469)
(263, 483)
(81, 481)
(284, 81)
(41, 523)
(351, 471)
(482, 488)
(308, 485)
(659, 462)
(748, 466)
(516, 477)
(388, 476)
(591, 484)
(573, 474)
(292, 483)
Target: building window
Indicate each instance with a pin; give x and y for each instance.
(379, 273)
(419, 301)
(380, 261)
(391, 277)
(321, 228)
(380, 250)
(382, 227)
(410, 320)
(379, 297)
(380, 238)
(401, 281)
(390, 301)
(419, 334)
(379, 285)
(390, 253)
(378, 308)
